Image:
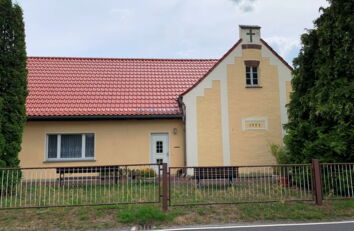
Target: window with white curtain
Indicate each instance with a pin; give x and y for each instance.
(70, 146)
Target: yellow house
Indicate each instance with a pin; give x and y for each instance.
(186, 112)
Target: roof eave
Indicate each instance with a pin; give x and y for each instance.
(102, 117)
(277, 55)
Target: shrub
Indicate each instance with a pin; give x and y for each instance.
(280, 153)
(281, 156)
(301, 178)
(148, 172)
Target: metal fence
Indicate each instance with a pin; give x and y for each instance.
(337, 180)
(174, 186)
(240, 184)
(74, 186)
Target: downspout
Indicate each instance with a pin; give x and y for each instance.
(183, 107)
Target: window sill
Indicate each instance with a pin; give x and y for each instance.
(253, 86)
(74, 160)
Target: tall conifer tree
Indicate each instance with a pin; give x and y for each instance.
(13, 82)
(321, 111)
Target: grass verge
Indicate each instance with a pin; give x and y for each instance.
(143, 216)
(103, 217)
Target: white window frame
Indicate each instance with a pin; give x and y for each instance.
(83, 147)
(251, 76)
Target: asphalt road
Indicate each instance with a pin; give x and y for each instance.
(323, 226)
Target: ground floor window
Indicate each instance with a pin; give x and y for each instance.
(70, 146)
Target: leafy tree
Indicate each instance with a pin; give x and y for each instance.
(321, 111)
(13, 82)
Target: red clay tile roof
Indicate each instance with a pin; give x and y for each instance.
(60, 86)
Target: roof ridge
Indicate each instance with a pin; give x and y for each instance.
(110, 58)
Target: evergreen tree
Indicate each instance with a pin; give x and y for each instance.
(13, 82)
(321, 111)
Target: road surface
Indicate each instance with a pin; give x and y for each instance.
(320, 226)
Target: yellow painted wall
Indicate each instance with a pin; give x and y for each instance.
(288, 91)
(252, 146)
(209, 126)
(116, 141)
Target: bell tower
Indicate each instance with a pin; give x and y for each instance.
(250, 34)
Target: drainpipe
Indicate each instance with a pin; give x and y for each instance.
(183, 107)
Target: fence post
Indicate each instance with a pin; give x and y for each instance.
(164, 187)
(316, 179)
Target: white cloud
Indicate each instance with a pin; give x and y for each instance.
(161, 28)
(244, 5)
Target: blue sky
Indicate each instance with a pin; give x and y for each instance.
(161, 28)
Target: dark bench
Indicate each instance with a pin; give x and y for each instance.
(89, 169)
(211, 173)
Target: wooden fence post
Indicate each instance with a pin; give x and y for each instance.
(164, 187)
(316, 179)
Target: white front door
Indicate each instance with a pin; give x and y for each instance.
(159, 148)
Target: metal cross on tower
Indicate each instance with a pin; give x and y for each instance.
(250, 34)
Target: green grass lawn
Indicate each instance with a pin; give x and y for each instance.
(84, 218)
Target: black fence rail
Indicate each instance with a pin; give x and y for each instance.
(75, 186)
